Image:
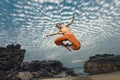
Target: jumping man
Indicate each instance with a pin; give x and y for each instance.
(67, 35)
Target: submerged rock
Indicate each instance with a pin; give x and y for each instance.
(104, 63)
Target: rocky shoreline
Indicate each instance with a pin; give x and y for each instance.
(12, 66)
(48, 69)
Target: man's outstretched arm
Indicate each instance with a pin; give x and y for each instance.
(70, 22)
(53, 34)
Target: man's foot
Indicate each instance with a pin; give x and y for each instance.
(68, 47)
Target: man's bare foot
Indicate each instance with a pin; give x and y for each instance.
(68, 47)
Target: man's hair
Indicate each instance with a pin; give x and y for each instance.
(57, 24)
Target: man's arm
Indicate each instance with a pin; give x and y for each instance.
(54, 34)
(70, 22)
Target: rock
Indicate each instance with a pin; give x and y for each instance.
(12, 66)
(25, 66)
(44, 68)
(104, 63)
(10, 58)
(18, 46)
(70, 72)
(41, 74)
(24, 76)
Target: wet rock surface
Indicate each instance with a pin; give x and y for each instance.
(102, 63)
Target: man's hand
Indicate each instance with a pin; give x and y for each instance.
(47, 35)
(70, 22)
(53, 34)
(73, 16)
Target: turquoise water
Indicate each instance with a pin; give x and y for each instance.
(96, 25)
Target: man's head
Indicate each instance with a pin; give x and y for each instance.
(58, 25)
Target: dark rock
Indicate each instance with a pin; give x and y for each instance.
(70, 72)
(44, 68)
(18, 46)
(10, 58)
(25, 66)
(100, 56)
(41, 74)
(10, 46)
(104, 63)
(12, 66)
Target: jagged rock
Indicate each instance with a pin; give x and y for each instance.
(25, 66)
(44, 68)
(41, 74)
(12, 66)
(100, 56)
(70, 72)
(105, 63)
(10, 58)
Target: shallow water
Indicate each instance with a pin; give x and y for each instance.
(96, 25)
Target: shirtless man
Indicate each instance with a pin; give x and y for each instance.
(67, 35)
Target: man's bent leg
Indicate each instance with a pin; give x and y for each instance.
(75, 47)
(75, 43)
(59, 41)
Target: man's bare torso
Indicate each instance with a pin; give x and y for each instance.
(65, 30)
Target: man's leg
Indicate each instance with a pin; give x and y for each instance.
(75, 43)
(59, 41)
(68, 47)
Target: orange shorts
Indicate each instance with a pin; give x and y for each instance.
(68, 37)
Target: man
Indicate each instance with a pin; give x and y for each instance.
(67, 35)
